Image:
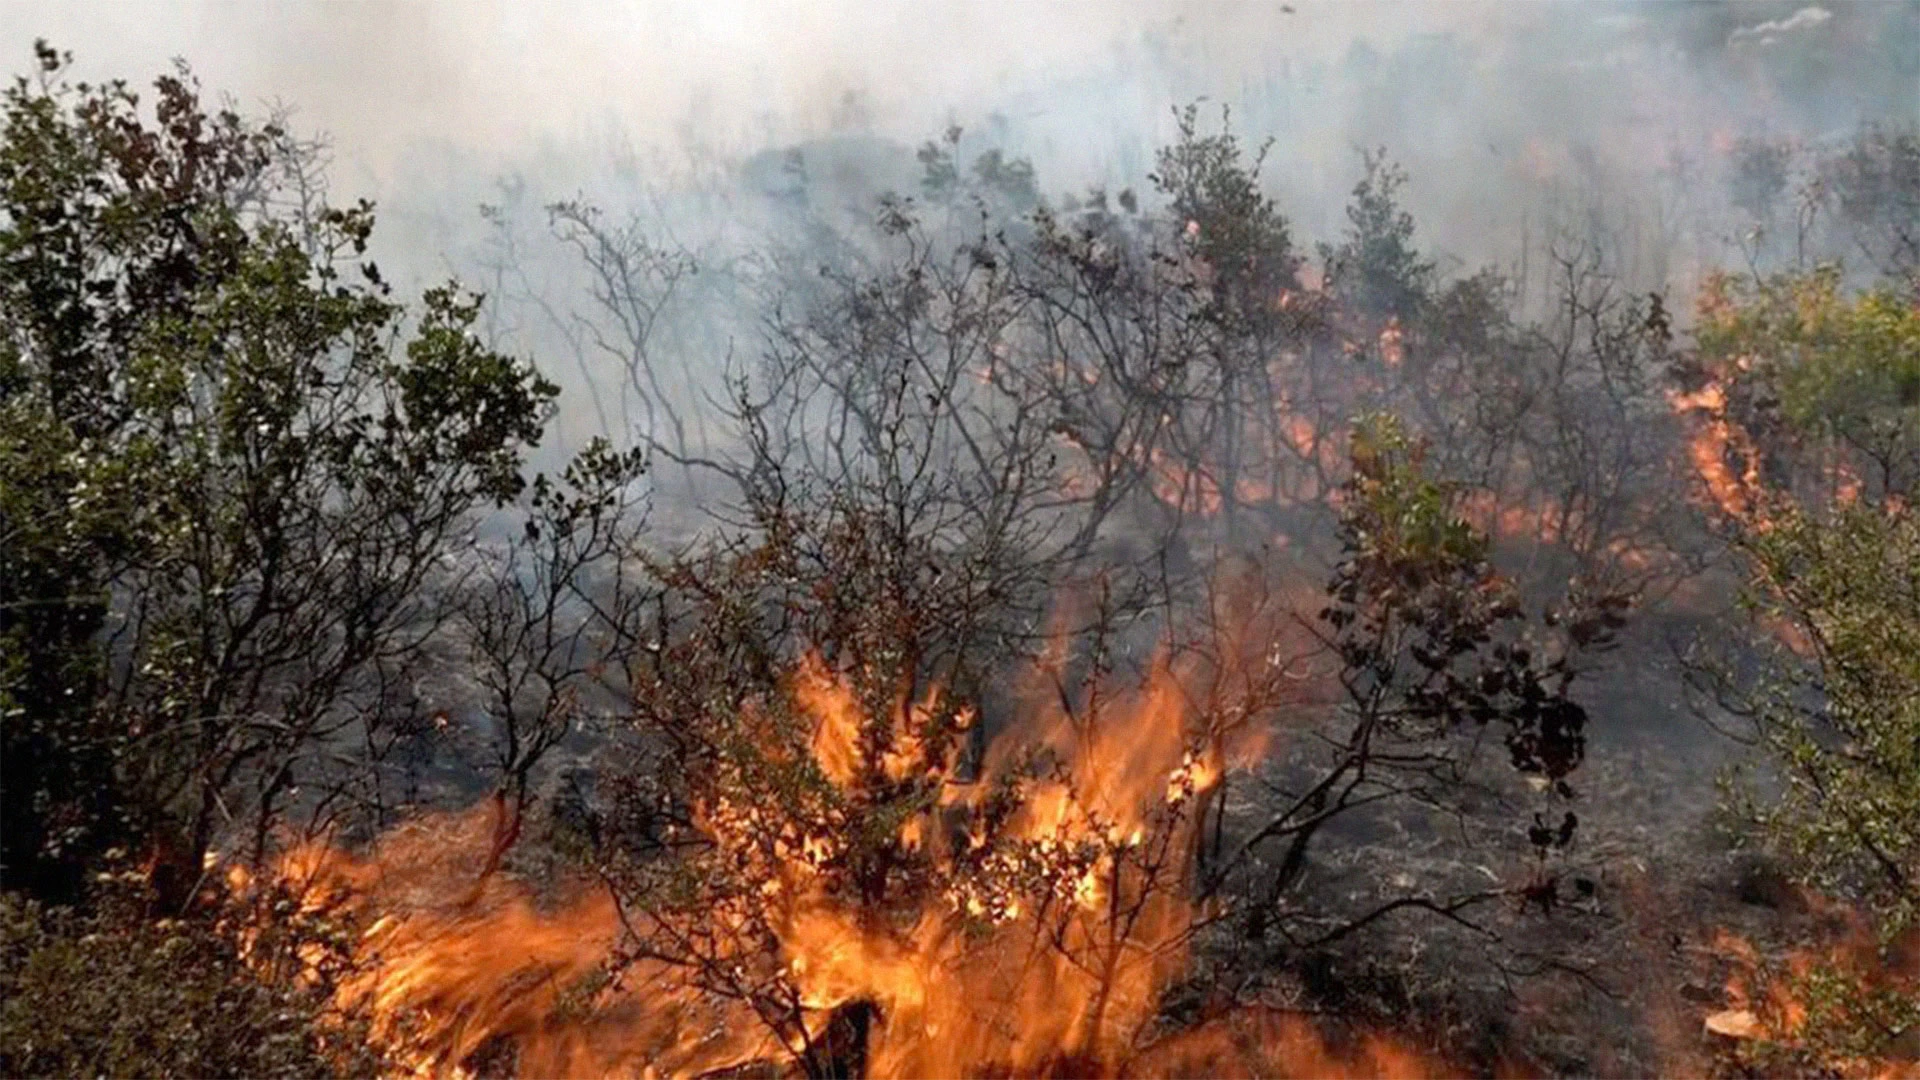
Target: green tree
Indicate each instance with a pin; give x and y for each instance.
(1376, 269)
(232, 469)
(1826, 384)
(1823, 392)
(1430, 641)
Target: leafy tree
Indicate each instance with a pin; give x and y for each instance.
(1213, 192)
(231, 472)
(1842, 719)
(1825, 385)
(1430, 641)
(1376, 269)
(1823, 393)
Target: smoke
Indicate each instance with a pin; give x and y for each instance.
(1512, 119)
(1769, 32)
(1083, 86)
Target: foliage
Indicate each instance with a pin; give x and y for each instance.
(115, 992)
(230, 468)
(1843, 716)
(241, 556)
(1429, 641)
(1417, 586)
(1213, 192)
(1814, 372)
(1827, 383)
(1376, 270)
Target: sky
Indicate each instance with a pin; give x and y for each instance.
(1506, 115)
(1495, 109)
(387, 79)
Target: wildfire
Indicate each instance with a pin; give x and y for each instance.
(1786, 1007)
(1508, 521)
(1052, 941)
(1287, 472)
(1717, 441)
(1393, 343)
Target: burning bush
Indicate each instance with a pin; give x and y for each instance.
(942, 747)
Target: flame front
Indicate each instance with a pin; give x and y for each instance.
(1046, 948)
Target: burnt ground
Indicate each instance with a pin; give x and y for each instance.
(1612, 976)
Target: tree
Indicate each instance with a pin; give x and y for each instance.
(1376, 270)
(232, 470)
(1428, 642)
(1821, 415)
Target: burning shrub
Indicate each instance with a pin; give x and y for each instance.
(1847, 1004)
(828, 888)
(1825, 385)
(838, 833)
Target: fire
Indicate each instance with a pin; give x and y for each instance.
(1393, 343)
(1191, 491)
(1288, 470)
(1756, 1007)
(1509, 521)
(1716, 441)
(1047, 947)
(1268, 1042)
(1795, 1008)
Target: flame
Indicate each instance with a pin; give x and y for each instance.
(1846, 484)
(1765, 1002)
(1256, 1042)
(1288, 470)
(1715, 442)
(1511, 521)
(1191, 491)
(1393, 342)
(1048, 949)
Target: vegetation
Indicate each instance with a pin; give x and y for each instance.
(1827, 389)
(230, 478)
(115, 992)
(1083, 581)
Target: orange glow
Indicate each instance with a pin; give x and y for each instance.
(1715, 442)
(1393, 343)
(1287, 470)
(1846, 484)
(1056, 950)
(1257, 1042)
(1188, 491)
(1509, 521)
(1763, 1002)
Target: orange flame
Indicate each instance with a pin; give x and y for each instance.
(1764, 1002)
(1056, 951)
(1716, 441)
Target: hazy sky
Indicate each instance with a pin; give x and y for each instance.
(1471, 96)
(1501, 112)
(383, 76)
